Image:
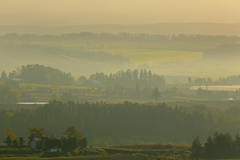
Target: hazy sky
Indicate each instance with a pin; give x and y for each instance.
(68, 12)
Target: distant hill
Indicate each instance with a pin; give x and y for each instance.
(161, 28)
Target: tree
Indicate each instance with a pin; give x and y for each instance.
(197, 148)
(200, 81)
(69, 144)
(35, 132)
(209, 148)
(209, 80)
(236, 145)
(83, 143)
(7, 95)
(10, 137)
(15, 142)
(8, 141)
(189, 80)
(55, 87)
(9, 133)
(156, 94)
(222, 144)
(82, 80)
(4, 75)
(21, 142)
(51, 142)
(13, 74)
(73, 132)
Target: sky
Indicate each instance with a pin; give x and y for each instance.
(71, 12)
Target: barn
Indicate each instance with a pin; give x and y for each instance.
(38, 142)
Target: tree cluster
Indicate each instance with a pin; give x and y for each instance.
(217, 146)
(40, 74)
(71, 139)
(136, 78)
(8, 95)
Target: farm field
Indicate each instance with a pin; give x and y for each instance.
(138, 53)
(34, 86)
(232, 88)
(210, 104)
(154, 56)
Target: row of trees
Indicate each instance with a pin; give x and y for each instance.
(217, 146)
(119, 37)
(136, 78)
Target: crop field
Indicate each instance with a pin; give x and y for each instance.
(138, 53)
(151, 57)
(34, 86)
(149, 53)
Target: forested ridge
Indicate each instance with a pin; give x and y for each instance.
(121, 123)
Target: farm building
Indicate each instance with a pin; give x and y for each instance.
(38, 142)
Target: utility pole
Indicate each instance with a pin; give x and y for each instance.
(206, 90)
(49, 77)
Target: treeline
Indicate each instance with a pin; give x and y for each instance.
(229, 79)
(136, 78)
(119, 37)
(217, 146)
(117, 123)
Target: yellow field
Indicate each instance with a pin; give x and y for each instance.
(152, 57)
(34, 86)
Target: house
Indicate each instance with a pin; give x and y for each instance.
(38, 142)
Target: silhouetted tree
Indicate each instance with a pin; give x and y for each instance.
(156, 94)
